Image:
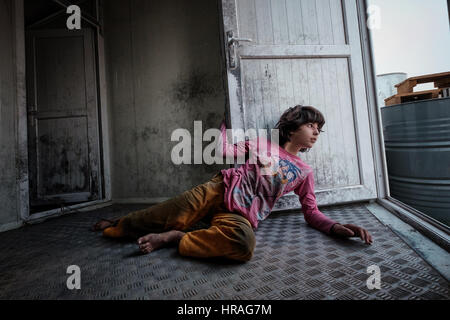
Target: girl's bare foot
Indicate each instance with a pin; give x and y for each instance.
(154, 241)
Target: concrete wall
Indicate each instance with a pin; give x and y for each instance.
(164, 72)
(8, 187)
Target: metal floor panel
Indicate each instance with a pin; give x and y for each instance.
(291, 261)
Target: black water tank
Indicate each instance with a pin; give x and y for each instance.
(417, 139)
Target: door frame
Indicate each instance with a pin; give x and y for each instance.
(22, 172)
(429, 227)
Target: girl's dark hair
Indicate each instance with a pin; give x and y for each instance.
(294, 117)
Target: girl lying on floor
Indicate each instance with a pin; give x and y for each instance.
(237, 199)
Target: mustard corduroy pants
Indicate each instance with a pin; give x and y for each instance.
(230, 235)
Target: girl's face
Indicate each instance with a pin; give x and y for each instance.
(306, 135)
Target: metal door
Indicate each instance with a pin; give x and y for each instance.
(304, 52)
(63, 128)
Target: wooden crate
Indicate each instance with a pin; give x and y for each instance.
(414, 96)
(405, 89)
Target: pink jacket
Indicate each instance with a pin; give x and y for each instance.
(269, 173)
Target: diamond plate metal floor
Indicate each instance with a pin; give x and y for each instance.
(291, 261)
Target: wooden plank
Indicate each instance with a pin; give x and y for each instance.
(294, 51)
(411, 96)
(272, 112)
(445, 83)
(333, 125)
(348, 142)
(269, 92)
(392, 101)
(251, 92)
(407, 85)
(264, 22)
(430, 77)
(247, 20)
(295, 23)
(337, 22)
(315, 100)
(422, 95)
(414, 96)
(300, 81)
(259, 107)
(325, 28)
(285, 85)
(323, 142)
(279, 22)
(310, 23)
(419, 93)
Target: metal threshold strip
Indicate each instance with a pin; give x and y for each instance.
(431, 228)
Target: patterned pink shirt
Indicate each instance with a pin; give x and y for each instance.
(253, 189)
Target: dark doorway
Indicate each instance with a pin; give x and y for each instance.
(62, 103)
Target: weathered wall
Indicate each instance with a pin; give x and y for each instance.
(8, 184)
(164, 72)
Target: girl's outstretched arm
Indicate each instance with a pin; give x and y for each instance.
(312, 214)
(318, 220)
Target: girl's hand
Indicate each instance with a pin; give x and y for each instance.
(350, 230)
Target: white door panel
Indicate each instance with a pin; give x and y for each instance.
(304, 52)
